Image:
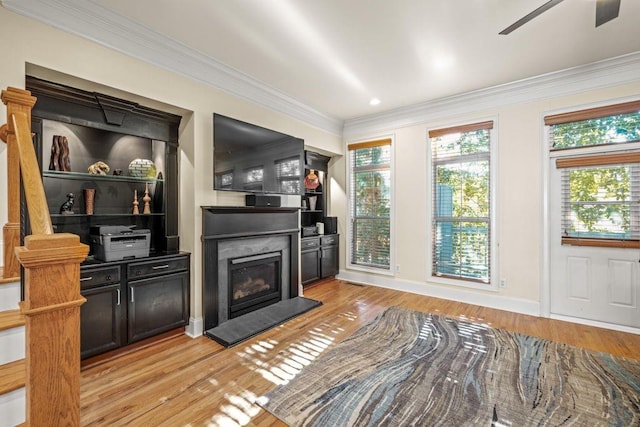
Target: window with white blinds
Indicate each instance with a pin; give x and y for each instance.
(599, 191)
(612, 124)
(370, 203)
(461, 215)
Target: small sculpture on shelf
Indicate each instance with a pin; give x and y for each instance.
(98, 168)
(136, 211)
(59, 160)
(66, 208)
(146, 199)
(89, 199)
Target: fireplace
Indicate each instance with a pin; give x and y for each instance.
(250, 260)
(254, 282)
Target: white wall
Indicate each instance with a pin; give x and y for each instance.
(520, 196)
(28, 43)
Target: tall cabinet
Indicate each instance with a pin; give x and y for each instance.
(99, 157)
(319, 252)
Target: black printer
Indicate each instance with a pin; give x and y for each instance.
(117, 242)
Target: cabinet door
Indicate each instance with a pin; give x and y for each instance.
(101, 320)
(157, 304)
(329, 262)
(310, 262)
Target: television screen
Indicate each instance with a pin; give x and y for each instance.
(254, 159)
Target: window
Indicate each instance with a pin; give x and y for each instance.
(599, 191)
(370, 204)
(461, 216)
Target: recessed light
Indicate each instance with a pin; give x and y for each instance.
(374, 101)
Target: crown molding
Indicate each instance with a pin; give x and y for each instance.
(90, 20)
(601, 74)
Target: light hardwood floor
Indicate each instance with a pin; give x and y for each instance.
(197, 382)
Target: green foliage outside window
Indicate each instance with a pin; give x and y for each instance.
(616, 129)
(461, 164)
(371, 206)
(597, 201)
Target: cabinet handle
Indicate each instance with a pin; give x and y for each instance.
(84, 279)
(118, 296)
(132, 298)
(160, 267)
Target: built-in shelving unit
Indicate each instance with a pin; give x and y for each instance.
(133, 297)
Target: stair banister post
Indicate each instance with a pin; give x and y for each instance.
(52, 314)
(52, 296)
(17, 101)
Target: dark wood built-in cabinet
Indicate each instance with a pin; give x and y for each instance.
(132, 300)
(319, 254)
(319, 257)
(135, 296)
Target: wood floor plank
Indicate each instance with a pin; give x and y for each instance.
(197, 382)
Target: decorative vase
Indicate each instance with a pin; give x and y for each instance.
(312, 202)
(142, 168)
(89, 198)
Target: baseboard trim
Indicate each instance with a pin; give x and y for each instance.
(195, 328)
(596, 323)
(516, 305)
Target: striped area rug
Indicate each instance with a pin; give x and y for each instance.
(408, 368)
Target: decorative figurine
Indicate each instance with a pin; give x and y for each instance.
(135, 203)
(146, 199)
(66, 208)
(59, 160)
(98, 168)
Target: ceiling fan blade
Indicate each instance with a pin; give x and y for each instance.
(520, 22)
(606, 10)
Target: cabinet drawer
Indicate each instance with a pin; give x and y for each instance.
(329, 240)
(95, 276)
(309, 243)
(156, 267)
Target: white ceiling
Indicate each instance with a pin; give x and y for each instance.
(333, 56)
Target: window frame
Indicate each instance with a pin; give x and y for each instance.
(492, 284)
(350, 236)
(610, 154)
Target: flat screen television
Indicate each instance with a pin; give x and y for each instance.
(252, 159)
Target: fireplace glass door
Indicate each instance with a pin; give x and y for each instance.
(254, 282)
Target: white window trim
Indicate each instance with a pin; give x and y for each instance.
(392, 252)
(493, 176)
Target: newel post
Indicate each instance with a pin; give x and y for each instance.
(52, 312)
(17, 101)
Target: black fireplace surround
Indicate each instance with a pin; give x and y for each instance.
(250, 260)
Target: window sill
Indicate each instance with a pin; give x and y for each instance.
(373, 270)
(444, 280)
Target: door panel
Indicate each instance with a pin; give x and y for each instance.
(578, 275)
(594, 283)
(621, 280)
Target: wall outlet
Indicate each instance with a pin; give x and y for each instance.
(397, 267)
(503, 283)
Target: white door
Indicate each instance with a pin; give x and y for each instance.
(595, 283)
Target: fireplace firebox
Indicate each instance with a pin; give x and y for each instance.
(254, 282)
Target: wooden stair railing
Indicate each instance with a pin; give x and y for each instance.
(52, 297)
